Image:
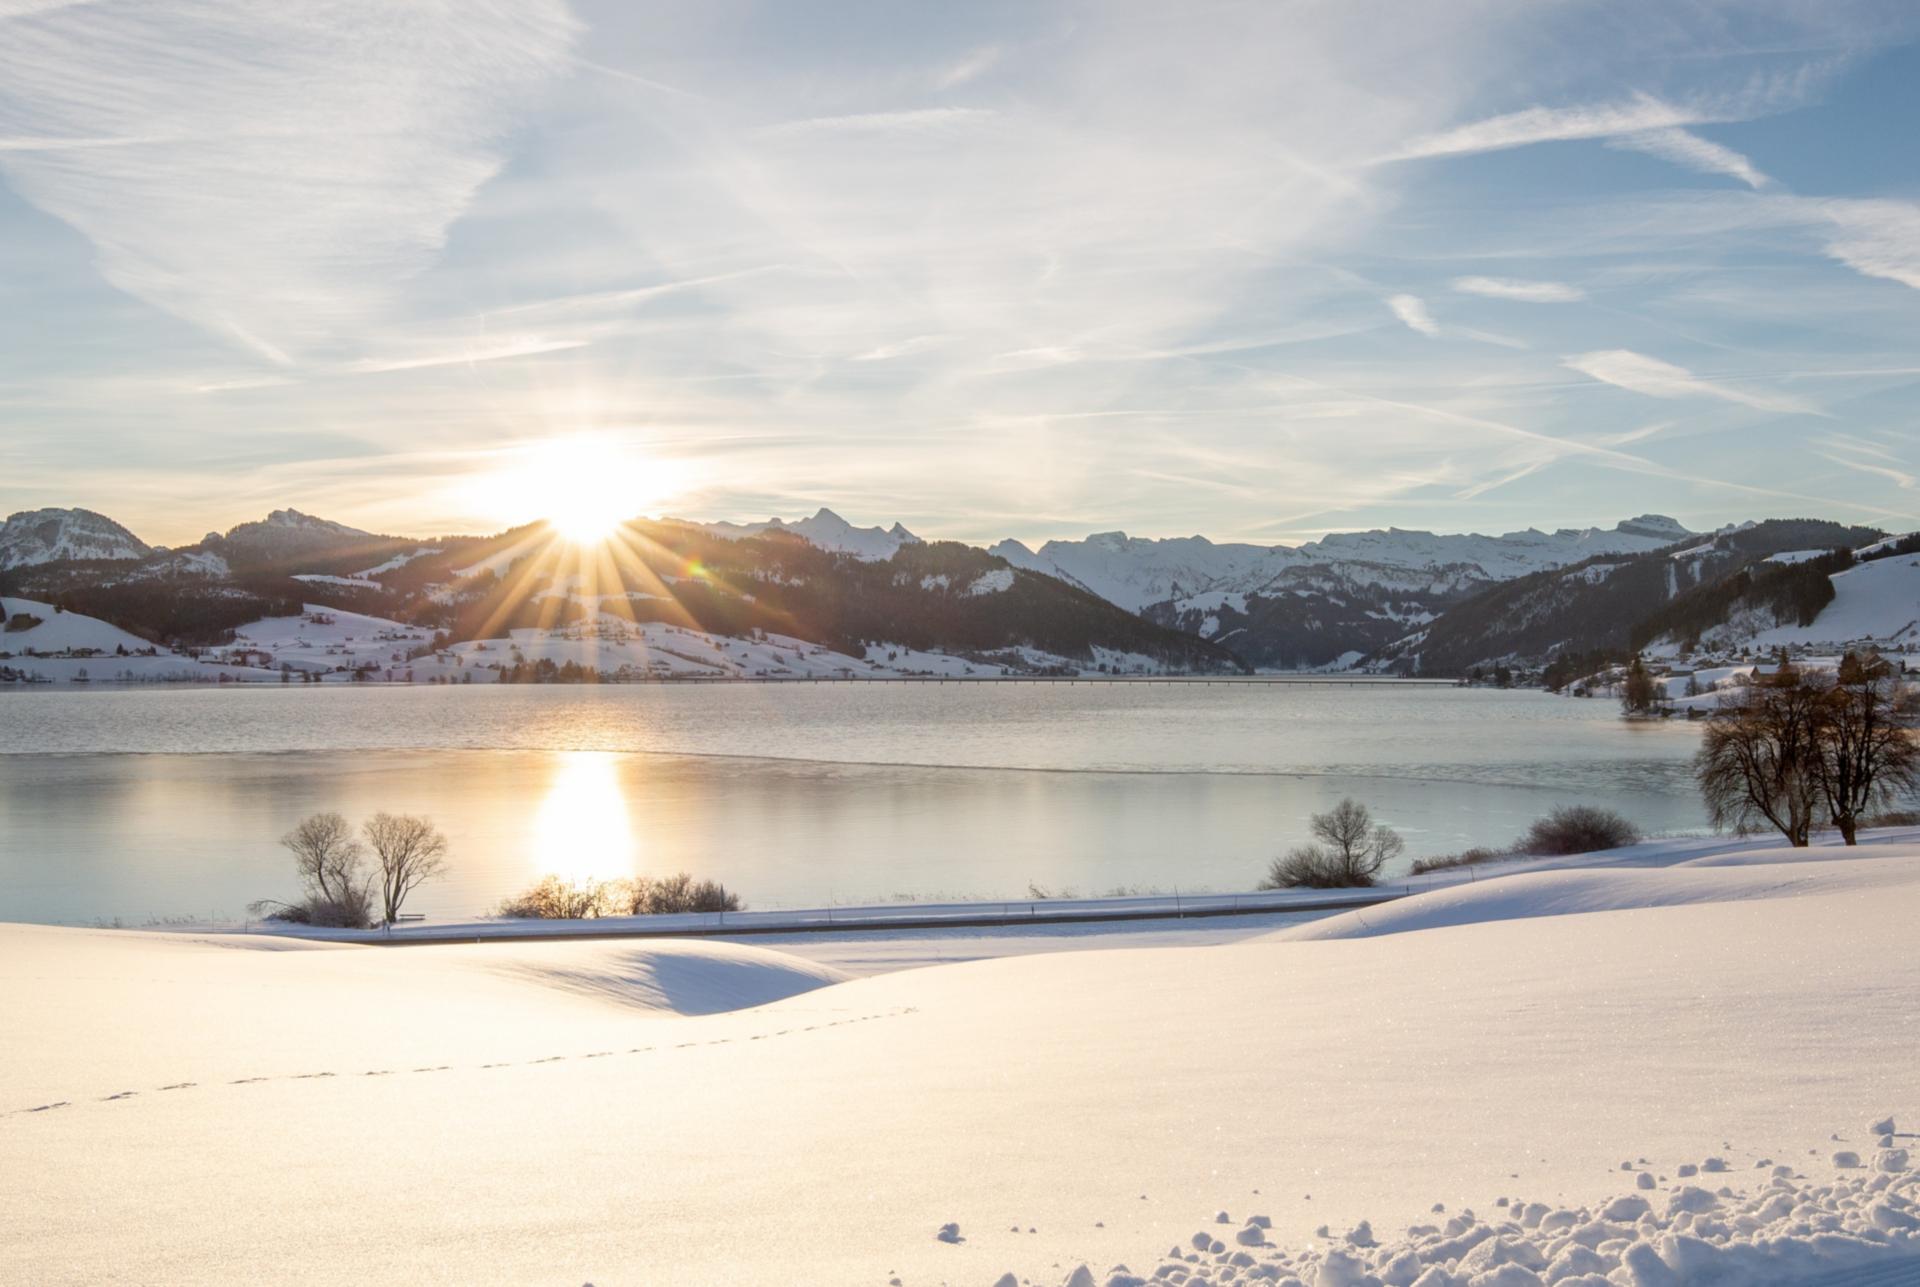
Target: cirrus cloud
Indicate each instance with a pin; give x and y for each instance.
(1526, 292)
(1640, 373)
(267, 172)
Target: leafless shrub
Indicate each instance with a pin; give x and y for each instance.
(1465, 858)
(671, 895)
(1577, 829)
(1307, 867)
(554, 899)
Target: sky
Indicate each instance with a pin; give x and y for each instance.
(1257, 271)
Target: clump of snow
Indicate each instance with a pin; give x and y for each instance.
(397, 561)
(992, 582)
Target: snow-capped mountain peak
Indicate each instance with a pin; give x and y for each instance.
(1653, 525)
(1138, 572)
(44, 535)
(824, 529)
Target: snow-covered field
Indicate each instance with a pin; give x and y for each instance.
(332, 643)
(1659, 1069)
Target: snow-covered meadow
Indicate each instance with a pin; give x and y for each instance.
(1669, 1066)
(331, 644)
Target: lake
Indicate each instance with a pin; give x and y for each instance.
(148, 804)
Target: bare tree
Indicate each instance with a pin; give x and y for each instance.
(1757, 760)
(326, 855)
(1867, 751)
(1350, 852)
(1359, 848)
(409, 850)
(329, 861)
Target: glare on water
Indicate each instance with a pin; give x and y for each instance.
(582, 830)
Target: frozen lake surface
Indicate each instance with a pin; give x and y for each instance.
(157, 803)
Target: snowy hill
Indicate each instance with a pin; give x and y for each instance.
(1876, 602)
(44, 535)
(59, 631)
(1707, 589)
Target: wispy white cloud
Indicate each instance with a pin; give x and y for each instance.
(1529, 292)
(1635, 115)
(1412, 310)
(1657, 379)
(494, 350)
(1880, 238)
(1898, 477)
(267, 172)
(1868, 458)
(1658, 122)
(1695, 153)
(969, 68)
(921, 120)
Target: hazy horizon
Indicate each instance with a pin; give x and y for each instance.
(867, 523)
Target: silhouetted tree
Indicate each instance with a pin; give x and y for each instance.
(1758, 758)
(1640, 694)
(329, 861)
(1351, 852)
(1867, 752)
(408, 850)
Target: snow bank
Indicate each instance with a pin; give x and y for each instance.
(1742, 875)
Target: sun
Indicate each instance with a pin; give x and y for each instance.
(585, 486)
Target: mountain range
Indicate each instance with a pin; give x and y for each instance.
(1410, 601)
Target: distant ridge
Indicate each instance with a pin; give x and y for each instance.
(46, 535)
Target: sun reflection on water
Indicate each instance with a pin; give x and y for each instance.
(582, 831)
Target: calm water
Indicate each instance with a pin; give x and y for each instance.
(149, 803)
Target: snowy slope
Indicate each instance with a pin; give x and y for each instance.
(62, 631)
(72, 648)
(1877, 601)
(1487, 1096)
(43, 535)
